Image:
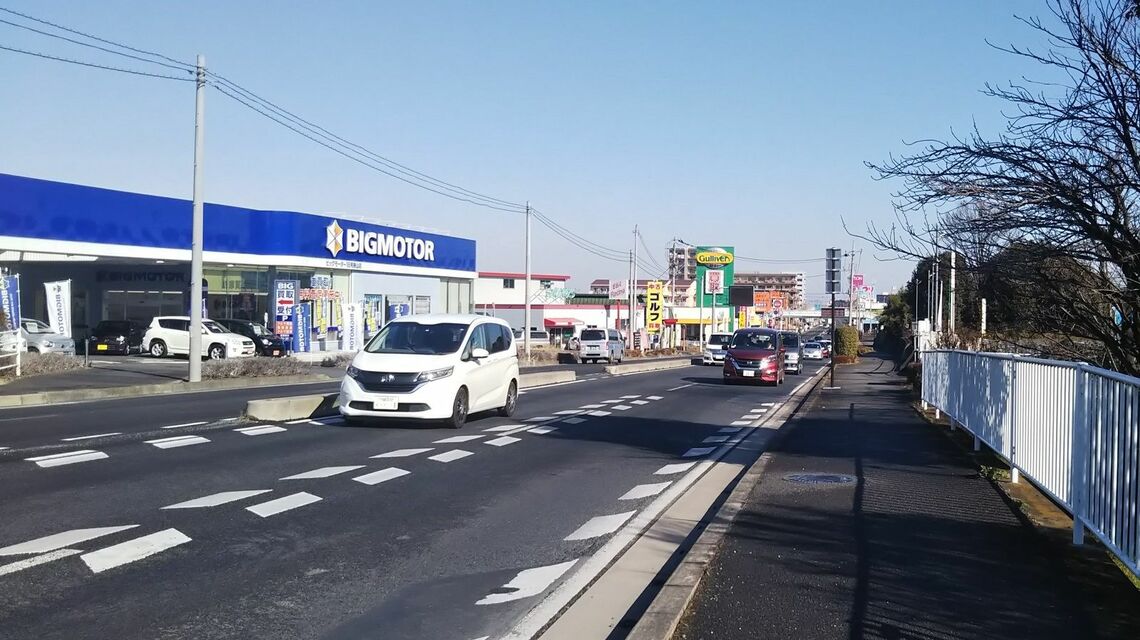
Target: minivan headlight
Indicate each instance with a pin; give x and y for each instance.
(436, 374)
(265, 341)
(48, 344)
(352, 371)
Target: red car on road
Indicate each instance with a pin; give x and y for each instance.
(754, 355)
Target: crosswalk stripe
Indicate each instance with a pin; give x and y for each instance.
(323, 472)
(600, 526)
(27, 563)
(61, 540)
(217, 499)
(274, 507)
(133, 550)
(260, 430)
(383, 475)
(177, 441)
(71, 457)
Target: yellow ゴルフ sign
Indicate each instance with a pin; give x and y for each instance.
(654, 307)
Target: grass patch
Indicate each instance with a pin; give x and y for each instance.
(39, 364)
(253, 368)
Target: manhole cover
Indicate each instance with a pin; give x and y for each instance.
(819, 478)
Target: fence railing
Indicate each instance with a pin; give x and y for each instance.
(10, 351)
(1070, 428)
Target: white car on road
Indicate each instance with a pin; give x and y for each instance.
(433, 367)
(170, 335)
(716, 348)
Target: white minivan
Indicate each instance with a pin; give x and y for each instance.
(600, 344)
(433, 367)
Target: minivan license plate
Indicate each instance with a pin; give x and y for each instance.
(748, 373)
(385, 404)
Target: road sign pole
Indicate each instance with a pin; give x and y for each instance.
(833, 345)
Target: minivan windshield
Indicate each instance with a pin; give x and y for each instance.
(413, 337)
(792, 340)
(593, 335)
(717, 339)
(753, 340)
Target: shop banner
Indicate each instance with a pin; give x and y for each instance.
(10, 302)
(654, 309)
(302, 328)
(399, 310)
(353, 324)
(284, 304)
(59, 306)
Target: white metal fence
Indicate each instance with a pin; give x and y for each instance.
(1070, 428)
(10, 349)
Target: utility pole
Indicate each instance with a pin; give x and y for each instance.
(983, 316)
(195, 357)
(633, 287)
(526, 289)
(673, 292)
(950, 321)
(630, 296)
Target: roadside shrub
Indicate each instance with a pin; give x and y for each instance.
(847, 342)
(39, 364)
(253, 368)
(338, 361)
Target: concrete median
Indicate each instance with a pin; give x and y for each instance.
(324, 405)
(649, 365)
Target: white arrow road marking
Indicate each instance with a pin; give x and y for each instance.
(714, 440)
(600, 526)
(92, 437)
(545, 430)
(501, 428)
(457, 439)
(383, 475)
(217, 499)
(449, 456)
(528, 583)
(696, 452)
(600, 414)
(324, 472)
(645, 490)
(71, 457)
(574, 420)
(27, 563)
(61, 540)
(260, 430)
(186, 424)
(670, 469)
(274, 507)
(660, 398)
(133, 550)
(403, 453)
(729, 430)
(503, 441)
(177, 441)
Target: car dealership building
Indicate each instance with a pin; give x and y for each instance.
(127, 256)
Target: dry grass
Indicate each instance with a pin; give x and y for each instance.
(253, 368)
(338, 361)
(39, 364)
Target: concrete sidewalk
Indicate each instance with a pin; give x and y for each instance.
(918, 545)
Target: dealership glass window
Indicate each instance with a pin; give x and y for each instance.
(422, 305)
(142, 306)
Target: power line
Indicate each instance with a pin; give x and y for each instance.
(93, 65)
(95, 46)
(649, 254)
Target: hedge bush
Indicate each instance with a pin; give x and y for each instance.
(39, 364)
(253, 368)
(847, 342)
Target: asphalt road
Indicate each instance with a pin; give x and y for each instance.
(415, 546)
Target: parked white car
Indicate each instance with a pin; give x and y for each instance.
(434, 367)
(170, 335)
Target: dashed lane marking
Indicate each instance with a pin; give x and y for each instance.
(729, 430)
(450, 456)
(569, 412)
(630, 397)
(541, 419)
(260, 430)
(383, 475)
(501, 428)
(274, 507)
(611, 401)
(574, 420)
(645, 490)
(600, 414)
(670, 469)
(324, 472)
(216, 499)
(185, 424)
(622, 407)
(660, 398)
(133, 550)
(91, 437)
(697, 452)
(61, 540)
(767, 404)
(503, 441)
(528, 583)
(640, 402)
(600, 526)
(27, 563)
(177, 441)
(544, 430)
(757, 410)
(741, 423)
(71, 457)
(457, 439)
(592, 406)
(403, 453)
(715, 440)
(684, 386)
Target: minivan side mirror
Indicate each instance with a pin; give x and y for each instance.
(478, 353)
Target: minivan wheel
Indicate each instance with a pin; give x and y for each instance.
(512, 402)
(158, 348)
(216, 352)
(459, 409)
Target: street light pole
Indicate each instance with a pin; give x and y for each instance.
(195, 358)
(526, 289)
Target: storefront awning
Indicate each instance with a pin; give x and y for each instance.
(693, 321)
(561, 323)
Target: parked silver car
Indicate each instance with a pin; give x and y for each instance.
(39, 338)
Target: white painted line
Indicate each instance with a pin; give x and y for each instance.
(403, 453)
(71, 457)
(541, 419)
(177, 441)
(600, 526)
(449, 456)
(640, 402)
(185, 424)
(798, 387)
(503, 441)
(92, 437)
(383, 475)
(660, 398)
(260, 430)
(274, 507)
(501, 428)
(457, 439)
(600, 414)
(4, 448)
(741, 423)
(684, 386)
(621, 407)
(133, 550)
(323, 472)
(216, 499)
(528, 583)
(611, 401)
(629, 397)
(569, 412)
(61, 540)
(27, 563)
(767, 404)
(697, 452)
(301, 421)
(574, 420)
(729, 430)
(715, 440)
(545, 430)
(645, 490)
(592, 406)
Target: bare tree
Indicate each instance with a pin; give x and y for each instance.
(1062, 180)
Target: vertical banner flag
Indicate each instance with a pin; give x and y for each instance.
(353, 326)
(654, 309)
(10, 302)
(715, 268)
(303, 327)
(59, 306)
(284, 305)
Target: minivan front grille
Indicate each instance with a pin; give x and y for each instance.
(380, 382)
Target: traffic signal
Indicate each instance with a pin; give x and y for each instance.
(833, 265)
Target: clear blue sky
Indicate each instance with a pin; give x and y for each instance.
(743, 123)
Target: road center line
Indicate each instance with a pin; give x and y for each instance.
(133, 550)
(92, 437)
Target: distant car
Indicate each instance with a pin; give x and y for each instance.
(170, 335)
(266, 343)
(39, 338)
(813, 351)
(120, 337)
(755, 355)
(600, 344)
(715, 348)
(433, 367)
(793, 352)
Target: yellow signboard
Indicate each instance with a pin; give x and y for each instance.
(654, 307)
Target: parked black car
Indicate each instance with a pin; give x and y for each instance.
(121, 337)
(267, 343)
